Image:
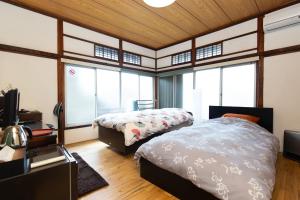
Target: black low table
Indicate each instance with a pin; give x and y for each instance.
(52, 181)
(291, 145)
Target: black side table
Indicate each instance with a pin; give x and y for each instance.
(55, 181)
(291, 144)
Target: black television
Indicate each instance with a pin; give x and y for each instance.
(10, 108)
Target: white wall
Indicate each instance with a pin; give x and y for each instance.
(27, 29)
(80, 134)
(36, 79)
(286, 36)
(174, 49)
(282, 91)
(229, 32)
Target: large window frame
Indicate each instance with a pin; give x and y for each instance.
(84, 124)
(222, 83)
(220, 93)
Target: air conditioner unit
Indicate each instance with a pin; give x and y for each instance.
(282, 23)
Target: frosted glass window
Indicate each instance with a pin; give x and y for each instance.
(146, 88)
(130, 91)
(108, 91)
(207, 91)
(80, 95)
(187, 91)
(239, 86)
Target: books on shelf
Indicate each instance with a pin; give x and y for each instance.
(46, 155)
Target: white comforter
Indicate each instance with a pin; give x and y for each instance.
(140, 124)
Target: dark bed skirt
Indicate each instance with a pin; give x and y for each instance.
(116, 141)
(172, 183)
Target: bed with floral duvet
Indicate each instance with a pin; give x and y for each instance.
(125, 132)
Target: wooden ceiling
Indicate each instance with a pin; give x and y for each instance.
(154, 27)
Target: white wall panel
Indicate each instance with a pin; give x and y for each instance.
(91, 59)
(229, 32)
(284, 37)
(148, 62)
(280, 38)
(164, 62)
(282, 14)
(80, 134)
(27, 29)
(175, 67)
(281, 91)
(87, 34)
(224, 57)
(174, 49)
(36, 79)
(228, 63)
(239, 44)
(138, 49)
(78, 46)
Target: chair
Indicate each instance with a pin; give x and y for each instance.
(58, 109)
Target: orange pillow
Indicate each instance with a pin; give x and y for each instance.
(250, 118)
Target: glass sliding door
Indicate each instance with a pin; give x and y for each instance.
(146, 88)
(129, 90)
(80, 95)
(108, 91)
(166, 92)
(207, 91)
(178, 91)
(239, 85)
(187, 91)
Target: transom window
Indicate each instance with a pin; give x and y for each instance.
(106, 52)
(181, 58)
(131, 58)
(209, 51)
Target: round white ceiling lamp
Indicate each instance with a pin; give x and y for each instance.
(159, 3)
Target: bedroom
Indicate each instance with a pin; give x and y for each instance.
(99, 57)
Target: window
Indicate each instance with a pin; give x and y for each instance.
(130, 91)
(187, 91)
(91, 92)
(106, 52)
(181, 58)
(146, 88)
(207, 91)
(243, 93)
(131, 58)
(166, 90)
(227, 86)
(209, 51)
(108, 91)
(80, 95)
(135, 87)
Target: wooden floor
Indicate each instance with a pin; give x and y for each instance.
(125, 183)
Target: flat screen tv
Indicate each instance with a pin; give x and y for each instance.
(11, 108)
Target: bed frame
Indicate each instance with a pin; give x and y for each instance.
(183, 188)
(116, 141)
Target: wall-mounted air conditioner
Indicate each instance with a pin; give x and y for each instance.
(282, 23)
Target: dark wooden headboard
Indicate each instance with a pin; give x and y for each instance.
(265, 114)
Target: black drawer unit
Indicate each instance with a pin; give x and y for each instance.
(291, 145)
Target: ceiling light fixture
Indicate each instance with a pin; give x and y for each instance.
(159, 3)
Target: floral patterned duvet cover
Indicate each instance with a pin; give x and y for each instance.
(232, 159)
(137, 125)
